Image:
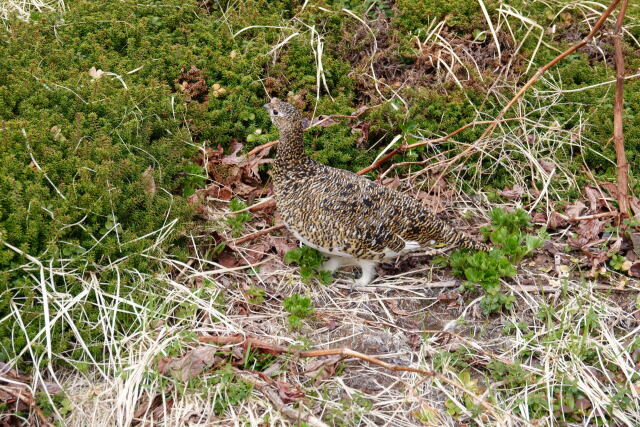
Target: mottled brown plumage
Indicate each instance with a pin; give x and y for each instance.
(344, 215)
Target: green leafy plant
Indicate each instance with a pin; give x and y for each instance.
(299, 307)
(617, 261)
(506, 232)
(487, 268)
(238, 220)
(468, 383)
(310, 262)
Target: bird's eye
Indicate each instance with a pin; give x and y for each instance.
(275, 112)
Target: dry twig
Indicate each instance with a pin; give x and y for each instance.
(28, 400)
(256, 234)
(403, 148)
(618, 135)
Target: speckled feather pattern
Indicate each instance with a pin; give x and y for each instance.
(344, 214)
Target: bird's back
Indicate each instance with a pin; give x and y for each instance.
(342, 213)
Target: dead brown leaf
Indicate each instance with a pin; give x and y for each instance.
(634, 270)
(191, 364)
(513, 193)
(575, 209)
(590, 229)
(254, 253)
(282, 244)
(228, 259)
(611, 188)
(363, 129)
(556, 220)
(232, 158)
(393, 305)
(547, 165)
(593, 195)
(539, 218)
(289, 393)
(322, 368)
(392, 183)
(635, 241)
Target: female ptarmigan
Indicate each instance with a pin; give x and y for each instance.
(349, 218)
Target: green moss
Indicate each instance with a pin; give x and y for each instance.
(463, 16)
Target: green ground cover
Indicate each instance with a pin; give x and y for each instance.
(102, 126)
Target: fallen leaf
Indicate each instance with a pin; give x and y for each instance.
(590, 229)
(228, 259)
(254, 253)
(283, 244)
(575, 209)
(450, 298)
(393, 305)
(634, 269)
(615, 246)
(611, 188)
(289, 393)
(392, 183)
(363, 129)
(232, 158)
(556, 220)
(191, 364)
(635, 241)
(322, 368)
(539, 218)
(547, 165)
(513, 193)
(593, 195)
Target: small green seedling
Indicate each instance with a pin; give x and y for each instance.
(299, 307)
(255, 295)
(238, 220)
(617, 261)
(310, 262)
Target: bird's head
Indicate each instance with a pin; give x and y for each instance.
(283, 115)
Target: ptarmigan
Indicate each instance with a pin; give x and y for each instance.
(351, 219)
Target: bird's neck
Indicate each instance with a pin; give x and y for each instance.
(291, 145)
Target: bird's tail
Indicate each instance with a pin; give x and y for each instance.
(443, 232)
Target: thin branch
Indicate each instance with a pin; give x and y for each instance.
(261, 205)
(404, 148)
(262, 147)
(618, 134)
(257, 234)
